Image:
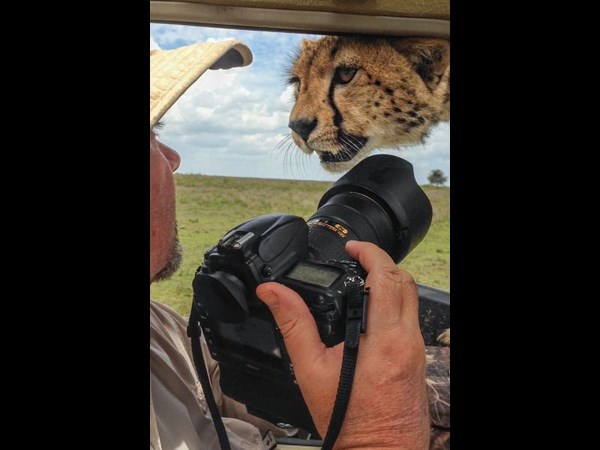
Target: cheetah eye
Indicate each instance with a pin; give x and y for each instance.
(344, 74)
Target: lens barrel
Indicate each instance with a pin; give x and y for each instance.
(378, 201)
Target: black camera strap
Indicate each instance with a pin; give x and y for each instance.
(356, 323)
(194, 332)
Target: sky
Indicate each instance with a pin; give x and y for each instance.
(234, 122)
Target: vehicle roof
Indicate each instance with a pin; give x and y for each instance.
(385, 17)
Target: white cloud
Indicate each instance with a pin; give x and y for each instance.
(286, 99)
(234, 122)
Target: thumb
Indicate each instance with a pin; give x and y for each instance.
(296, 323)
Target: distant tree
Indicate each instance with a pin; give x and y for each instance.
(436, 177)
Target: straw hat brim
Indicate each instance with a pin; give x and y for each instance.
(172, 72)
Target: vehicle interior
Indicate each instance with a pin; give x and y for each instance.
(387, 17)
(429, 18)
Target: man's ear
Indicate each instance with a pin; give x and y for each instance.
(429, 57)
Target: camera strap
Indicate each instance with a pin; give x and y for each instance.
(194, 332)
(356, 323)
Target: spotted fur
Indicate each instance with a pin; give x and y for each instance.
(355, 94)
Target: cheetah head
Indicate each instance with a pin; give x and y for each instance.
(356, 94)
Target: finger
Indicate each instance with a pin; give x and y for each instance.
(295, 322)
(369, 255)
(394, 290)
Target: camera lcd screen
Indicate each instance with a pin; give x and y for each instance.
(319, 275)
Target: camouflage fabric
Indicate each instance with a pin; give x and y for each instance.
(438, 386)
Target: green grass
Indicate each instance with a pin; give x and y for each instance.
(208, 206)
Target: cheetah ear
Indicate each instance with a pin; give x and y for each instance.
(306, 44)
(430, 58)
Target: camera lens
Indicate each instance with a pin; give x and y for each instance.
(378, 201)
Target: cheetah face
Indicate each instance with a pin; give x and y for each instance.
(353, 95)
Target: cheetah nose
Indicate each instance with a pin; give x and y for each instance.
(303, 127)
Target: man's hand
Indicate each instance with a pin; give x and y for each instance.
(388, 405)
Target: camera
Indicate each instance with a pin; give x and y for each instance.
(377, 201)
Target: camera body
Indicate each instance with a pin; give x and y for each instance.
(239, 329)
(377, 201)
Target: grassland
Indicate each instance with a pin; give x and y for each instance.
(208, 206)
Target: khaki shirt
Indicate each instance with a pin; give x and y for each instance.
(179, 415)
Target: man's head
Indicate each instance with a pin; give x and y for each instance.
(172, 72)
